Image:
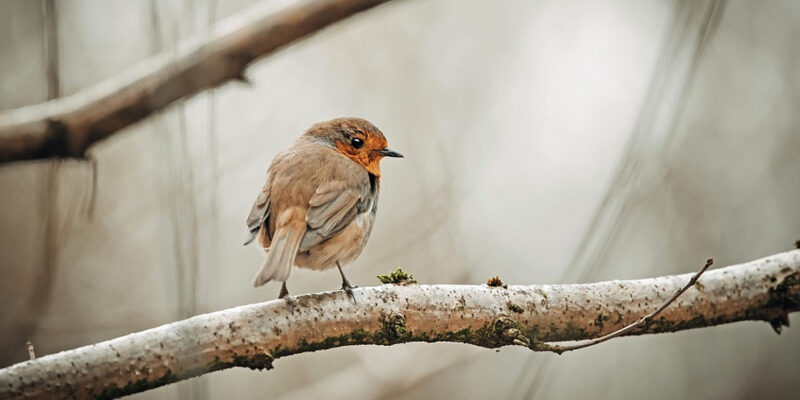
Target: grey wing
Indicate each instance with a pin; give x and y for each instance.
(331, 209)
(259, 214)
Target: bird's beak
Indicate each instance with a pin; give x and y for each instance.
(388, 153)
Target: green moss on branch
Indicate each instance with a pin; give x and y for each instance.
(397, 276)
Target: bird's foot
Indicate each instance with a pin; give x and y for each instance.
(284, 294)
(348, 288)
(284, 291)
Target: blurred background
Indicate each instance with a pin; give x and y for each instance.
(545, 142)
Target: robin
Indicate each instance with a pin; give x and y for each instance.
(318, 205)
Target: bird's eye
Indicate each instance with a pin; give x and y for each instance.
(357, 143)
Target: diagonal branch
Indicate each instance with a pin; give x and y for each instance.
(255, 335)
(67, 127)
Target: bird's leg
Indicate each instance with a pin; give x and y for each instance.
(346, 286)
(284, 291)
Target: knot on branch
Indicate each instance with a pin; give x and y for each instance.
(506, 330)
(784, 297)
(394, 328)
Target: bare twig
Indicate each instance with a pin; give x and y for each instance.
(31, 353)
(68, 126)
(638, 323)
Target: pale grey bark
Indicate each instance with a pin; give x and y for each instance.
(528, 315)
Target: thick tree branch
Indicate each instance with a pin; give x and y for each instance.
(255, 335)
(68, 126)
(634, 325)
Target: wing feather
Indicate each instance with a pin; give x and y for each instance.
(332, 208)
(259, 214)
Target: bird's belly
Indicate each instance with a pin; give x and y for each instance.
(344, 247)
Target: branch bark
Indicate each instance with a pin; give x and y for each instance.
(255, 335)
(67, 127)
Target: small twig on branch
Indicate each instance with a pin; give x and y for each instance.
(66, 127)
(640, 322)
(31, 353)
(254, 336)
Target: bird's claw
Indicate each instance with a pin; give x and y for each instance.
(284, 291)
(348, 288)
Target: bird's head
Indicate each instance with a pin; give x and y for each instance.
(357, 139)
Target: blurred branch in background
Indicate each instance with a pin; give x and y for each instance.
(255, 335)
(57, 221)
(67, 127)
(643, 163)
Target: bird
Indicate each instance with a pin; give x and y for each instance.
(318, 205)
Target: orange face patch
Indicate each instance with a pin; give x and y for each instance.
(365, 156)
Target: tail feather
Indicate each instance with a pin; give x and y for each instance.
(280, 256)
